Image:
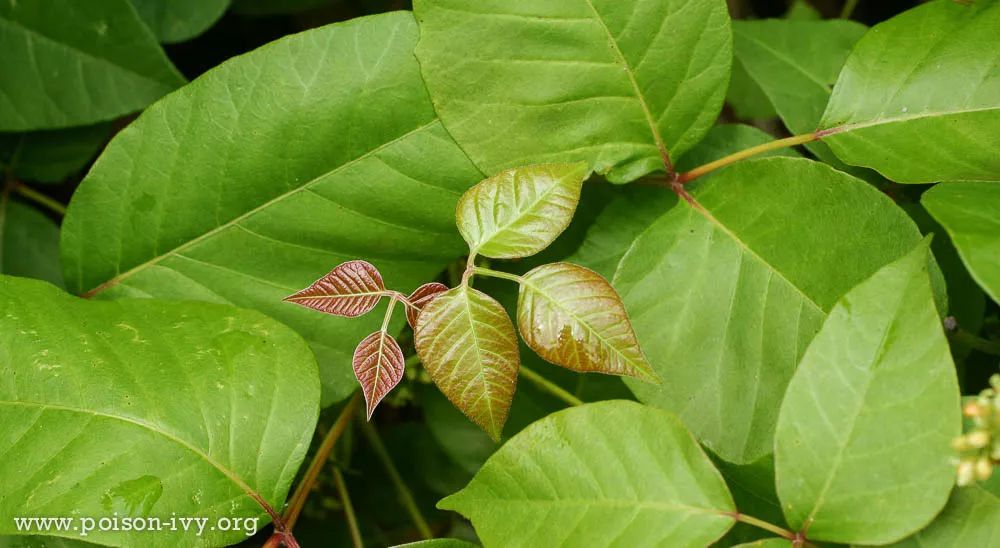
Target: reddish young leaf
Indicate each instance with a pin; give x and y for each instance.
(420, 297)
(378, 365)
(351, 289)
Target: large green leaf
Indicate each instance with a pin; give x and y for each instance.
(179, 20)
(726, 295)
(66, 50)
(919, 97)
(971, 518)
(51, 156)
(862, 445)
(621, 84)
(970, 212)
(609, 473)
(147, 409)
(266, 172)
(467, 343)
(29, 242)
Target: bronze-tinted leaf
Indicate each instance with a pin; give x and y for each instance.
(378, 365)
(351, 289)
(467, 343)
(420, 297)
(572, 317)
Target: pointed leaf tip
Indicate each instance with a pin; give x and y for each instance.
(378, 366)
(351, 289)
(420, 298)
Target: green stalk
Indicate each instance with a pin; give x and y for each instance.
(38, 198)
(549, 386)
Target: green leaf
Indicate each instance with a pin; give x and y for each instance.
(752, 486)
(971, 518)
(520, 211)
(29, 242)
(179, 20)
(51, 156)
(253, 180)
(18, 541)
(598, 474)
(862, 444)
(467, 343)
(439, 543)
(970, 212)
(919, 99)
(725, 296)
(147, 408)
(63, 50)
(795, 63)
(620, 84)
(572, 317)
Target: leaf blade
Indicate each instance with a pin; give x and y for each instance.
(420, 297)
(349, 290)
(378, 366)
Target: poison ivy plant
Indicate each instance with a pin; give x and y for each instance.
(179, 20)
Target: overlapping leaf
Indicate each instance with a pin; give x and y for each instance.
(179, 20)
(919, 97)
(318, 148)
(572, 317)
(378, 365)
(971, 518)
(29, 242)
(147, 408)
(63, 50)
(600, 474)
(467, 343)
(970, 212)
(620, 83)
(520, 211)
(350, 290)
(420, 297)
(862, 444)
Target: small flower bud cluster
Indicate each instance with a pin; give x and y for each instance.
(979, 449)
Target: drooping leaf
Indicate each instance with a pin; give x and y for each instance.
(620, 83)
(862, 444)
(420, 297)
(572, 317)
(147, 408)
(971, 518)
(919, 97)
(600, 474)
(378, 365)
(51, 156)
(179, 20)
(467, 343)
(725, 296)
(350, 290)
(519, 212)
(29, 242)
(318, 148)
(63, 50)
(970, 212)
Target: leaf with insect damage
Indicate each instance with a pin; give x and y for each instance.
(519, 212)
(467, 343)
(378, 365)
(350, 290)
(572, 317)
(421, 297)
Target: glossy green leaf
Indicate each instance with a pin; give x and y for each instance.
(970, 212)
(604, 473)
(520, 211)
(179, 20)
(29, 242)
(619, 83)
(726, 296)
(256, 178)
(64, 50)
(971, 518)
(147, 408)
(795, 63)
(862, 445)
(572, 317)
(467, 343)
(51, 156)
(919, 97)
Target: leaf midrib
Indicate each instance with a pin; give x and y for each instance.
(847, 128)
(466, 294)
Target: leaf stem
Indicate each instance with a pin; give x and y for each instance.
(298, 500)
(388, 313)
(767, 526)
(37, 197)
(986, 346)
(345, 499)
(405, 496)
(549, 386)
(497, 274)
(848, 9)
(689, 176)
